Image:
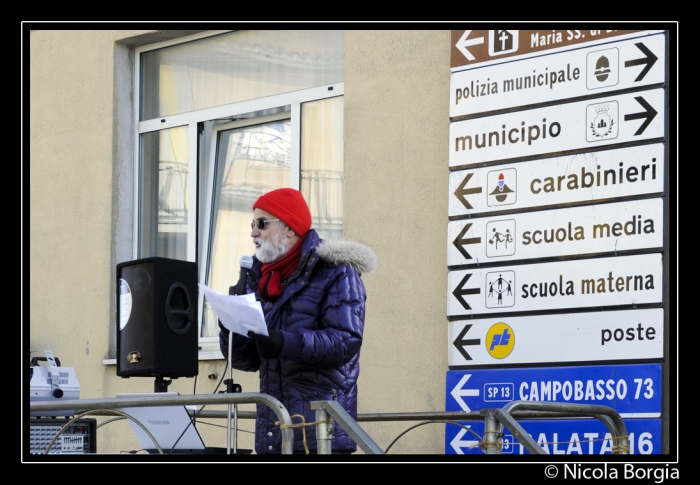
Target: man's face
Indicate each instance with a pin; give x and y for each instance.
(271, 242)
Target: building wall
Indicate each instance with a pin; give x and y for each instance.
(71, 205)
(81, 191)
(396, 132)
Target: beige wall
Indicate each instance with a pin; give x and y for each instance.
(396, 129)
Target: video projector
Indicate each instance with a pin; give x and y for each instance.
(52, 383)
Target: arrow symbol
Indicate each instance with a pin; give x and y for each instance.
(458, 392)
(648, 60)
(460, 241)
(460, 291)
(460, 342)
(461, 191)
(463, 43)
(458, 443)
(647, 115)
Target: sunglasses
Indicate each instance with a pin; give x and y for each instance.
(261, 223)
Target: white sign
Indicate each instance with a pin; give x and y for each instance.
(602, 282)
(590, 124)
(580, 178)
(572, 337)
(587, 230)
(574, 73)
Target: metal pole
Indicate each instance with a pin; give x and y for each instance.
(235, 406)
(491, 435)
(323, 436)
(345, 421)
(230, 374)
(235, 429)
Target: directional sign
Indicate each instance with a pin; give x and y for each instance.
(573, 179)
(583, 72)
(483, 47)
(595, 123)
(587, 230)
(549, 339)
(558, 437)
(633, 390)
(601, 282)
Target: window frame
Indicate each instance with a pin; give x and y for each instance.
(207, 213)
(201, 162)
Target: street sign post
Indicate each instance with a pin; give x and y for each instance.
(589, 230)
(585, 283)
(575, 179)
(622, 335)
(559, 437)
(633, 390)
(581, 125)
(478, 48)
(590, 71)
(556, 244)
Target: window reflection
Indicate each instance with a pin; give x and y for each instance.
(237, 66)
(322, 164)
(164, 211)
(250, 161)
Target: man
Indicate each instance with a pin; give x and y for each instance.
(314, 305)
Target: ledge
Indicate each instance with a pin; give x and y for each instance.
(203, 355)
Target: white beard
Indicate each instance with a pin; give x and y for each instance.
(273, 248)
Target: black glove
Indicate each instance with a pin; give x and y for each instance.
(268, 347)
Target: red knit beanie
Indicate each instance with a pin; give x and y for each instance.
(289, 205)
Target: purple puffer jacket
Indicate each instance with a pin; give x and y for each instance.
(321, 314)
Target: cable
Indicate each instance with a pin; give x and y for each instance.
(194, 418)
(225, 427)
(223, 374)
(110, 420)
(433, 422)
(75, 418)
(120, 418)
(127, 416)
(184, 430)
(194, 393)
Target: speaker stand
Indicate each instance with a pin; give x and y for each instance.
(161, 385)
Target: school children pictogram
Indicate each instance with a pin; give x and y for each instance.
(501, 238)
(500, 289)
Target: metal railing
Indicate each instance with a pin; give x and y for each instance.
(495, 419)
(324, 431)
(158, 399)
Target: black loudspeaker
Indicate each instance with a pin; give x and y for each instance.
(157, 331)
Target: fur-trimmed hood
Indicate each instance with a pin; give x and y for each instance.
(356, 254)
(320, 315)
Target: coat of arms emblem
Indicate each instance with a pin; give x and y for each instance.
(603, 123)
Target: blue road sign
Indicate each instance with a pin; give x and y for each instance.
(633, 390)
(558, 437)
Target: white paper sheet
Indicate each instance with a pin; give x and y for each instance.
(238, 314)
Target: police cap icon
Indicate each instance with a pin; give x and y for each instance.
(602, 68)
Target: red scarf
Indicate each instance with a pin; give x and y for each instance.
(274, 275)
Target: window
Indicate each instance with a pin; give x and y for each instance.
(224, 117)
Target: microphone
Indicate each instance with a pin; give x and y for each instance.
(239, 289)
